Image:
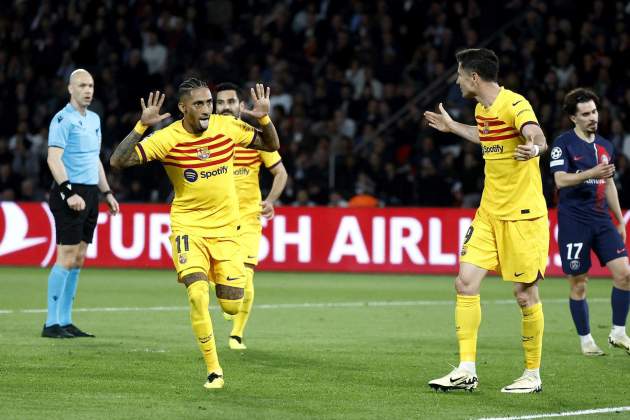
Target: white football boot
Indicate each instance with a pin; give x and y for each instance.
(526, 384)
(619, 340)
(589, 348)
(458, 379)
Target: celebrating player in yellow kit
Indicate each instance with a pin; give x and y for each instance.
(197, 154)
(510, 232)
(246, 171)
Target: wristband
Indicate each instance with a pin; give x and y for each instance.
(140, 128)
(65, 190)
(264, 120)
(107, 192)
(537, 150)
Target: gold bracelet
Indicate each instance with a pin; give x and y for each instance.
(140, 128)
(264, 120)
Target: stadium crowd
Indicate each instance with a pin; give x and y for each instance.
(337, 70)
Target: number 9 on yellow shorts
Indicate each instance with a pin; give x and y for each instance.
(516, 249)
(219, 258)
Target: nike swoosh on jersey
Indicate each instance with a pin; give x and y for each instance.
(577, 157)
(228, 278)
(516, 103)
(619, 251)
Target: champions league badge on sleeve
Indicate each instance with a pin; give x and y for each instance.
(556, 152)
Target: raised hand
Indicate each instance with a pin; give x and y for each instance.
(442, 121)
(151, 110)
(260, 98)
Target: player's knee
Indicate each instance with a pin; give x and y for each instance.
(197, 289)
(79, 260)
(578, 287)
(230, 307)
(230, 298)
(464, 286)
(578, 291)
(622, 280)
(68, 260)
(523, 298)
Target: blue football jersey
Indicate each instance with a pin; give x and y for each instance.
(80, 137)
(571, 154)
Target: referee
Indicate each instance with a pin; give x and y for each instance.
(74, 145)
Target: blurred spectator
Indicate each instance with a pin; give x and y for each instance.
(363, 200)
(338, 71)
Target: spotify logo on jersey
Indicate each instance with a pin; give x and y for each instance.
(190, 175)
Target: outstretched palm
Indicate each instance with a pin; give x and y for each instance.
(260, 98)
(440, 121)
(151, 110)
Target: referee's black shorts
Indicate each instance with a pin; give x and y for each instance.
(71, 226)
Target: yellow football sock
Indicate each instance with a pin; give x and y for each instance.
(202, 324)
(467, 320)
(533, 325)
(240, 320)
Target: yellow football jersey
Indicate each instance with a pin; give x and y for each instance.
(246, 170)
(200, 167)
(512, 188)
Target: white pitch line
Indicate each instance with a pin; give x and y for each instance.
(307, 305)
(564, 414)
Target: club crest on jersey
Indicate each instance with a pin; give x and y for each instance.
(486, 128)
(203, 153)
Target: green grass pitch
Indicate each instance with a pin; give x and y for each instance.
(365, 349)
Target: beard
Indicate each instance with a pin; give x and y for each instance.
(591, 129)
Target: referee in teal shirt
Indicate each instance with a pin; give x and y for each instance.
(74, 145)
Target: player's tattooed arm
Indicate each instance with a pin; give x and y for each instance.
(266, 137)
(125, 153)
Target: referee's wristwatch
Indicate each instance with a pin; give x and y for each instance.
(106, 193)
(65, 190)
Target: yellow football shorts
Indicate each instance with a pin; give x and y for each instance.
(249, 238)
(516, 249)
(219, 258)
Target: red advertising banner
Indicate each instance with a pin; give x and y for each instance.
(387, 240)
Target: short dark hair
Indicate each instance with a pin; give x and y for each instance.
(229, 86)
(189, 85)
(578, 96)
(482, 61)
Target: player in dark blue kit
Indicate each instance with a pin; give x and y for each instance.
(581, 162)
